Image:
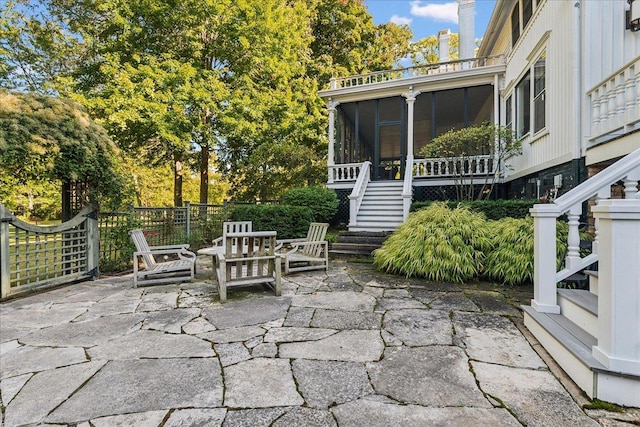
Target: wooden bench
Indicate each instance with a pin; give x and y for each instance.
(179, 270)
(248, 258)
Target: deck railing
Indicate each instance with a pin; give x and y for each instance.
(345, 172)
(448, 167)
(615, 103)
(545, 216)
(422, 70)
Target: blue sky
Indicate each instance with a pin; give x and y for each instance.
(427, 17)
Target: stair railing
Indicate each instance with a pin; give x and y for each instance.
(407, 188)
(356, 196)
(545, 276)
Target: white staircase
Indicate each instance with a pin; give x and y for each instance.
(594, 334)
(381, 207)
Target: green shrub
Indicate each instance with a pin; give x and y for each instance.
(289, 221)
(492, 209)
(322, 201)
(437, 243)
(510, 261)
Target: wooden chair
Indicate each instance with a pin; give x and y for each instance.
(233, 227)
(311, 253)
(248, 258)
(179, 270)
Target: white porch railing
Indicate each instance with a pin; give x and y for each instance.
(451, 167)
(423, 70)
(545, 216)
(345, 172)
(356, 196)
(615, 102)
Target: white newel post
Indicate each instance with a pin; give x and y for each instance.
(619, 291)
(544, 261)
(331, 106)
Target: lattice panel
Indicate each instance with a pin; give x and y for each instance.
(38, 257)
(162, 226)
(342, 214)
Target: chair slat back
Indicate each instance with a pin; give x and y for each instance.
(141, 244)
(235, 227)
(250, 254)
(317, 232)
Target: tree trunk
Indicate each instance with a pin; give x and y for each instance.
(177, 183)
(204, 173)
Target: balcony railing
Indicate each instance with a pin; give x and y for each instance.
(615, 103)
(422, 70)
(454, 167)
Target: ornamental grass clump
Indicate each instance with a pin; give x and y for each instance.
(510, 261)
(437, 243)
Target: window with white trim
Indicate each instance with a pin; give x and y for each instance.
(528, 100)
(539, 93)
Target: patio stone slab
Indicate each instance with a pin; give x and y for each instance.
(34, 359)
(262, 417)
(419, 327)
(196, 418)
(492, 302)
(326, 383)
(425, 296)
(429, 376)
(379, 414)
(336, 319)
(8, 346)
(534, 396)
(46, 390)
(108, 307)
(347, 301)
(156, 299)
(232, 353)
(254, 312)
(242, 333)
(456, 301)
(198, 325)
(385, 304)
(265, 350)
(151, 344)
(85, 334)
(128, 386)
(9, 387)
(260, 383)
(299, 316)
(170, 320)
(9, 333)
(144, 419)
(494, 339)
(40, 318)
(279, 335)
(348, 346)
(305, 417)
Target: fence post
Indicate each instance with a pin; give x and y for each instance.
(93, 243)
(188, 220)
(5, 276)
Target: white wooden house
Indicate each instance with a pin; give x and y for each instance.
(565, 76)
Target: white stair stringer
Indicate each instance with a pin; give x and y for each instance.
(381, 207)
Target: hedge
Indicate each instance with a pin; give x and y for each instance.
(492, 209)
(322, 201)
(288, 221)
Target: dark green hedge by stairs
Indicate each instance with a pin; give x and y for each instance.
(322, 201)
(288, 221)
(492, 209)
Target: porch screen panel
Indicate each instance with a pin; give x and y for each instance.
(390, 152)
(391, 109)
(450, 110)
(479, 104)
(422, 123)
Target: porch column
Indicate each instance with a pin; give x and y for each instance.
(331, 106)
(407, 189)
(618, 345)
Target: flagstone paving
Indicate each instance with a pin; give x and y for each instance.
(347, 347)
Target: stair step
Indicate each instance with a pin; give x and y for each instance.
(355, 246)
(580, 307)
(581, 298)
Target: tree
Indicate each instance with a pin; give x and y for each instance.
(461, 147)
(427, 50)
(48, 140)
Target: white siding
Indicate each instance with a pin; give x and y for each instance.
(551, 29)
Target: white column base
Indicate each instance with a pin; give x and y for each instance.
(545, 308)
(616, 364)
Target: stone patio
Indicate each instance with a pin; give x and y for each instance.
(351, 347)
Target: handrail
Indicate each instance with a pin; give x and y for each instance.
(359, 188)
(407, 188)
(420, 70)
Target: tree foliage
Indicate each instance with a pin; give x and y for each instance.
(462, 146)
(44, 139)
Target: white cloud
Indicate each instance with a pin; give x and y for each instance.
(400, 20)
(447, 12)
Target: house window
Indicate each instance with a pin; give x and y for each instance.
(527, 11)
(515, 25)
(539, 93)
(509, 113)
(527, 7)
(523, 106)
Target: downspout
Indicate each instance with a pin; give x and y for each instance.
(577, 89)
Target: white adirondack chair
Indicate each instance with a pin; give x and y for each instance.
(248, 258)
(154, 272)
(311, 253)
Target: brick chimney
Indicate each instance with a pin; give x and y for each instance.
(443, 45)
